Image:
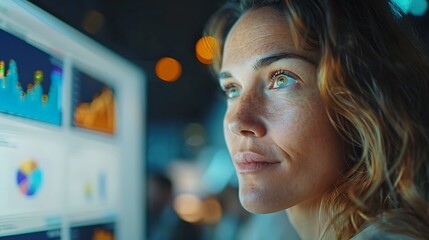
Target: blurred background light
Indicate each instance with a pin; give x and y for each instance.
(211, 211)
(206, 49)
(188, 207)
(93, 21)
(185, 175)
(193, 209)
(414, 7)
(194, 135)
(403, 4)
(418, 7)
(168, 69)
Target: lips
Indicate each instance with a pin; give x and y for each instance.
(251, 162)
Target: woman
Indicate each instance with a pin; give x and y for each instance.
(327, 115)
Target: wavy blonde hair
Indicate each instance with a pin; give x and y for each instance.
(373, 75)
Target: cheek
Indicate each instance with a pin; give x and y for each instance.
(306, 134)
(302, 121)
(292, 126)
(227, 134)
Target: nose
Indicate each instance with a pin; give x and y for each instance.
(245, 118)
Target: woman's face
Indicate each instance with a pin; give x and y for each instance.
(283, 146)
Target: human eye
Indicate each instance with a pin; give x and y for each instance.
(231, 90)
(282, 79)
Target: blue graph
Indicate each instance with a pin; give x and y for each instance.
(30, 81)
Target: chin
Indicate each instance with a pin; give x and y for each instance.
(257, 203)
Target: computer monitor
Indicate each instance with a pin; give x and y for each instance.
(71, 133)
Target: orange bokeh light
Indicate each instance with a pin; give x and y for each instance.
(207, 49)
(93, 22)
(168, 69)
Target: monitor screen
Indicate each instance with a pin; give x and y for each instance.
(71, 133)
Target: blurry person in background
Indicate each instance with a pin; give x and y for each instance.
(233, 217)
(327, 115)
(160, 193)
(163, 222)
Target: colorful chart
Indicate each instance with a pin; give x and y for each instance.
(29, 178)
(94, 104)
(30, 81)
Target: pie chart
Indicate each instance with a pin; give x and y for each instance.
(29, 178)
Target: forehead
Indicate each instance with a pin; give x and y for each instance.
(260, 32)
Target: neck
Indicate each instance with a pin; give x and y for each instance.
(306, 220)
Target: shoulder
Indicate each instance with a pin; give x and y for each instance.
(372, 232)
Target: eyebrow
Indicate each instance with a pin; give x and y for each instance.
(268, 60)
(224, 75)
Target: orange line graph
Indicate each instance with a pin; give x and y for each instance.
(97, 115)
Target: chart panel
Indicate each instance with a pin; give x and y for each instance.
(30, 81)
